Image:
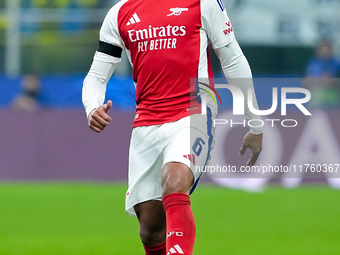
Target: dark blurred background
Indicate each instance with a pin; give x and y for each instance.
(56, 39)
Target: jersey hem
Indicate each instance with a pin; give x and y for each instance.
(146, 123)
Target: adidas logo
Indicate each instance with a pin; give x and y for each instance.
(176, 249)
(134, 19)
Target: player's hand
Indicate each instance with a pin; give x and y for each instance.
(253, 142)
(98, 119)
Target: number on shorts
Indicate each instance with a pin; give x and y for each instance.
(197, 147)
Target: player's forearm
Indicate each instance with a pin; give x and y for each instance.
(94, 86)
(237, 71)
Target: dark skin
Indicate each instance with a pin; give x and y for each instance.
(176, 178)
(99, 118)
(254, 143)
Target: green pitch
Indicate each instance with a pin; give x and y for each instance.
(87, 218)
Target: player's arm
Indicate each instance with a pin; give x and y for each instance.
(104, 63)
(237, 71)
(94, 88)
(219, 30)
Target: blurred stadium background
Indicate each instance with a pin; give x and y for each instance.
(62, 187)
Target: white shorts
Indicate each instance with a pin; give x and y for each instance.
(188, 141)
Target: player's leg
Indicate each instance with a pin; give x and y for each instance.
(152, 226)
(144, 195)
(188, 149)
(168, 147)
(177, 179)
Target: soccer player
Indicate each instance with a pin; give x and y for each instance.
(167, 45)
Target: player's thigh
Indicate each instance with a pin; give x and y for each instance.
(145, 149)
(145, 162)
(190, 143)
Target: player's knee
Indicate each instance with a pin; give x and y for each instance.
(176, 178)
(151, 237)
